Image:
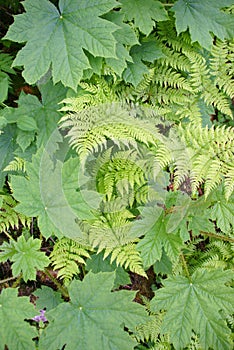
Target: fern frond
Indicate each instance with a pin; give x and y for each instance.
(90, 94)
(209, 156)
(110, 230)
(168, 77)
(222, 67)
(16, 165)
(126, 256)
(92, 128)
(150, 330)
(67, 256)
(9, 218)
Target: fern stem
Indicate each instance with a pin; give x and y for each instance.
(17, 282)
(185, 266)
(7, 280)
(223, 238)
(8, 235)
(58, 285)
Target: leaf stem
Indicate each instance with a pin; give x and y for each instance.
(17, 282)
(223, 238)
(58, 285)
(8, 235)
(7, 280)
(185, 266)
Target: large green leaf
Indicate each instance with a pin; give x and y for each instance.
(7, 147)
(222, 211)
(36, 118)
(26, 257)
(58, 37)
(96, 263)
(15, 333)
(94, 318)
(47, 298)
(50, 193)
(195, 304)
(126, 37)
(144, 13)
(202, 18)
(153, 226)
(148, 51)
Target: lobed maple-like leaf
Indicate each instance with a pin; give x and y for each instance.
(36, 118)
(144, 13)
(15, 333)
(50, 193)
(222, 210)
(47, 298)
(202, 18)
(125, 37)
(26, 257)
(94, 318)
(156, 239)
(148, 51)
(64, 34)
(195, 304)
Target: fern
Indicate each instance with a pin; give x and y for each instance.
(9, 218)
(126, 256)
(92, 128)
(209, 157)
(16, 165)
(67, 257)
(222, 67)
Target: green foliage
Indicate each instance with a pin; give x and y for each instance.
(66, 257)
(194, 303)
(156, 237)
(95, 310)
(26, 257)
(47, 298)
(70, 23)
(206, 15)
(15, 332)
(123, 163)
(45, 195)
(9, 218)
(145, 14)
(5, 69)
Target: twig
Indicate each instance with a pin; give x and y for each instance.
(58, 285)
(7, 280)
(185, 266)
(223, 238)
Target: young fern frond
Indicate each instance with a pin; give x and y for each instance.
(9, 218)
(67, 256)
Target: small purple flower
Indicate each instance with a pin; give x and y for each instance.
(40, 317)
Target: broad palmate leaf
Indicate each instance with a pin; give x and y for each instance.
(153, 226)
(51, 193)
(26, 257)
(36, 118)
(144, 13)
(57, 37)
(202, 18)
(94, 318)
(15, 333)
(195, 304)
